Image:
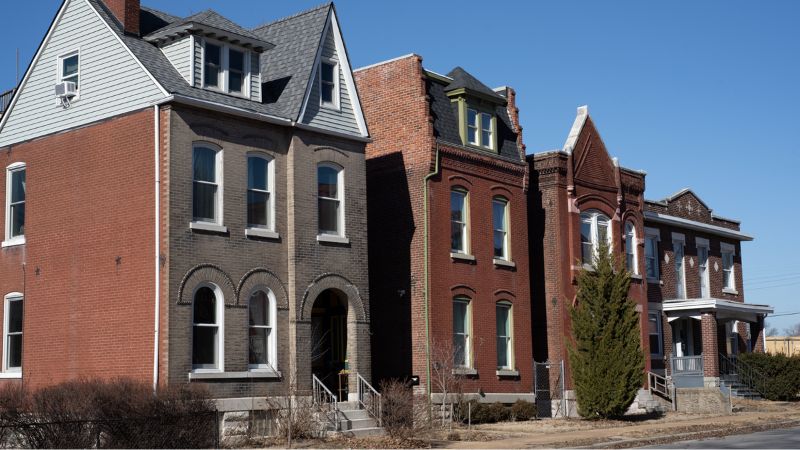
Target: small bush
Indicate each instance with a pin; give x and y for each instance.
(398, 408)
(490, 412)
(453, 436)
(523, 410)
(780, 374)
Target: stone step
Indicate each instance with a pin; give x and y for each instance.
(358, 424)
(355, 414)
(363, 432)
(349, 406)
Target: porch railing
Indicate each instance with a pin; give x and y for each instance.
(370, 399)
(658, 384)
(744, 373)
(687, 365)
(326, 401)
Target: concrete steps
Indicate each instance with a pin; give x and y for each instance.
(356, 422)
(730, 383)
(652, 403)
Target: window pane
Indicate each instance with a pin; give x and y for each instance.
(18, 219)
(259, 313)
(259, 350)
(15, 350)
(213, 58)
(257, 209)
(602, 230)
(205, 163)
(235, 81)
(236, 60)
(587, 248)
(327, 72)
(655, 344)
(327, 93)
(15, 316)
(328, 215)
(472, 118)
(486, 122)
(652, 323)
(205, 310)
(257, 173)
(459, 317)
(499, 244)
(456, 237)
(18, 186)
(502, 320)
(459, 347)
(204, 201)
(327, 182)
(472, 135)
(502, 352)
(457, 206)
(486, 138)
(204, 346)
(70, 66)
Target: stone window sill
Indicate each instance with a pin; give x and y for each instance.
(636, 276)
(507, 373)
(18, 240)
(250, 374)
(504, 263)
(261, 233)
(655, 281)
(462, 256)
(332, 239)
(730, 291)
(10, 375)
(468, 371)
(206, 226)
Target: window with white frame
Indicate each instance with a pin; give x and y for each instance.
(505, 348)
(262, 330)
(207, 183)
(328, 84)
(728, 276)
(630, 248)
(480, 128)
(702, 267)
(15, 204)
(654, 330)
(651, 238)
(459, 221)
(69, 68)
(207, 324)
(259, 192)
(595, 228)
(12, 333)
(330, 194)
(225, 68)
(680, 269)
(500, 226)
(461, 332)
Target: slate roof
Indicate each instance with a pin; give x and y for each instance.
(285, 69)
(445, 120)
(463, 79)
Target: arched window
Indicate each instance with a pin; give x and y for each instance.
(505, 344)
(262, 330)
(207, 324)
(330, 199)
(462, 328)
(595, 228)
(500, 226)
(259, 192)
(459, 221)
(207, 183)
(630, 248)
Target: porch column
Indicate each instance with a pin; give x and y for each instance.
(757, 335)
(708, 324)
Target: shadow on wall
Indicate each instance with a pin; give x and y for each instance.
(536, 226)
(390, 230)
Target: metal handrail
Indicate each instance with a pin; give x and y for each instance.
(322, 395)
(370, 399)
(748, 376)
(658, 384)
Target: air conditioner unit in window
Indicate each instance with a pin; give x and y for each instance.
(66, 89)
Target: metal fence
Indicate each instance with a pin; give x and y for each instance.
(549, 389)
(199, 430)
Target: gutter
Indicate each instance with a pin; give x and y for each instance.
(157, 324)
(425, 180)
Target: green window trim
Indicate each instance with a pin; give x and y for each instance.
(465, 111)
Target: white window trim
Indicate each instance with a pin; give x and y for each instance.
(507, 230)
(10, 372)
(729, 248)
(479, 129)
(595, 235)
(20, 239)
(653, 233)
(224, 69)
(468, 331)
(337, 100)
(269, 230)
(324, 236)
(679, 238)
(272, 342)
(220, 305)
(657, 311)
(465, 251)
(704, 277)
(60, 72)
(217, 224)
(510, 343)
(634, 244)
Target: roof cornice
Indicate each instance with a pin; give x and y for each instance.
(656, 217)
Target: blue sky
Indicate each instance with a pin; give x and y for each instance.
(698, 94)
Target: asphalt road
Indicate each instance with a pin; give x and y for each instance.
(786, 438)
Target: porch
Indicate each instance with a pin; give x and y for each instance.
(706, 332)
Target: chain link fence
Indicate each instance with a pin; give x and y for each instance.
(549, 389)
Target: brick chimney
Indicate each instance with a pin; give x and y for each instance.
(127, 12)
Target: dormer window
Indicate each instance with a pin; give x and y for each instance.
(479, 129)
(328, 84)
(225, 69)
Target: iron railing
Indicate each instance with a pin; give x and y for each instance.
(744, 373)
(687, 365)
(5, 100)
(370, 399)
(326, 401)
(658, 384)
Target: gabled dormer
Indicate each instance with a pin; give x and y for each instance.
(213, 53)
(477, 110)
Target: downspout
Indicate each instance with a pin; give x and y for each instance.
(157, 166)
(427, 280)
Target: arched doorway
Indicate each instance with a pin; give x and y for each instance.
(329, 339)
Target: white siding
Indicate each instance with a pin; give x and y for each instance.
(178, 54)
(111, 81)
(343, 121)
(198, 62)
(255, 77)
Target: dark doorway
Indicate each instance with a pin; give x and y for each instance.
(329, 340)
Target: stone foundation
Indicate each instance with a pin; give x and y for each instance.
(702, 400)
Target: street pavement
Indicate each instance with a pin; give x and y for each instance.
(786, 438)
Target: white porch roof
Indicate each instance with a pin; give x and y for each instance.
(724, 309)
